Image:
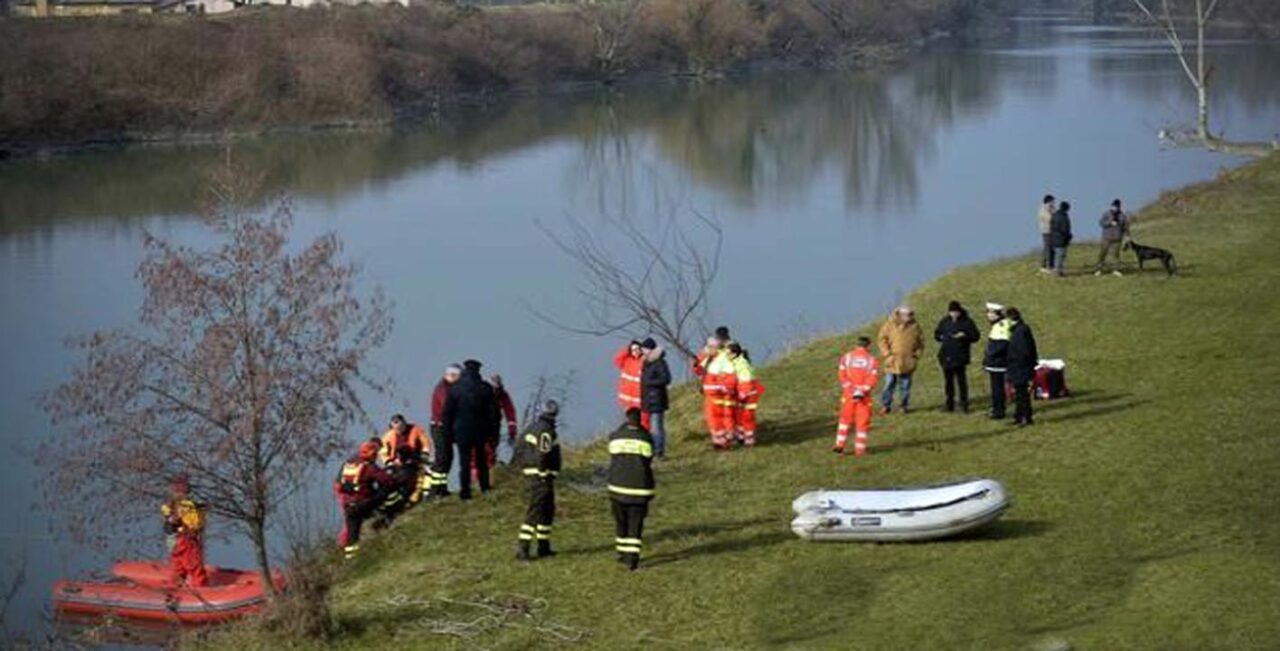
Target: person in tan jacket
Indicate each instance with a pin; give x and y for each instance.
(901, 342)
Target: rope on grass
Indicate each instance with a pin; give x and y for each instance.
(445, 616)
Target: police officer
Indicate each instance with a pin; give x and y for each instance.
(630, 485)
(537, 454)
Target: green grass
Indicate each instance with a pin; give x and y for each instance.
(1145, 505)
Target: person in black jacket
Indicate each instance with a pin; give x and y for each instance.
(1060, 237)
(654, 379)
(631, 485)
(537, 455)
(995, 361)
(1023, 359)
(470, 413)
(956, 332)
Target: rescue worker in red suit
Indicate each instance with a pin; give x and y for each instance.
(361, 487)
(858, 373)
(630, 363)
(508, 409)
(749, 390)
(406, 448)
(184, 523)
(441, 440)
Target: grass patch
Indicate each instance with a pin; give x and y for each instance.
(1143, 515)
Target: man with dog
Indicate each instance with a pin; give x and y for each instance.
(1115, 228)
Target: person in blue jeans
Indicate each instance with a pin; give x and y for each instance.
(901, 342)
(655, 376)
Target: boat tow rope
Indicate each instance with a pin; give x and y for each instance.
(469, 619)
(831, 506)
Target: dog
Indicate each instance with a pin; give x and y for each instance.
(1145, 253)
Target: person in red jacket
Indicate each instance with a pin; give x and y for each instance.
(630, 363)
(184, 522)
(361, 487)
(508, 409)
(858, 374)
(441, 441)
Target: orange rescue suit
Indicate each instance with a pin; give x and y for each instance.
(858, 374)
(629, 369)
(416, 440)
(185, 520)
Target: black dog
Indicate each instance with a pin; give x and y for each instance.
(1145, 253)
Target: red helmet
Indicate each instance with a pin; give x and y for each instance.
(368, 451)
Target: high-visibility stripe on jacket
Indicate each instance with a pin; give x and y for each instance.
(748, 387)
(358, 478)
(630, 464)
(629, 370)
(858, 371)
(537, 452)
(997, 356)
(721, 377)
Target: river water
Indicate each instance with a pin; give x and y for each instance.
(836, 192)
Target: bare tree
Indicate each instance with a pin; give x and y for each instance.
(1198, 71)
(650, 283)
(242, 374)
(611, 23)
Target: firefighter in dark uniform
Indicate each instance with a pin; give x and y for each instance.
(537, 455)
(630, 485)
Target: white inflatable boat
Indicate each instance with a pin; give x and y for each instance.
(899, 514)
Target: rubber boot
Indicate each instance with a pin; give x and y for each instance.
(544, 549)
(522, 552)
(633, 562)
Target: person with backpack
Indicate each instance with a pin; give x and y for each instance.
(537, 455)
(956, 333)
(654, 400)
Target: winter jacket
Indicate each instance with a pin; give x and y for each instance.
(1023, 356)
(537, 453)
(471, 409)
(956, 337)
(1060, 229)
(654, 379)
(631, 464)
(996, 359)
(900, 345)
(1115, 225)
(506, 411)
(1044, 217)
(438, 397)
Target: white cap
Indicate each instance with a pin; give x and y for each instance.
(994, 307)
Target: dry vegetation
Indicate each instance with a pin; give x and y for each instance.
(73, 80)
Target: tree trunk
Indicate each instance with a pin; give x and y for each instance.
(1202, 84)
(258, 534)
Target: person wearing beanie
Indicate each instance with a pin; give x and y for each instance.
(630, 363)
(901, 342)
(441, 441)
(1115, 228)
(537, 455)
(631, 486)
(471, 412)
(655, 377)
(956, 334)
(858, 373)
(1023, 357)
(361, 487)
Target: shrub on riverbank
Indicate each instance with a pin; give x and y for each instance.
(70, 80)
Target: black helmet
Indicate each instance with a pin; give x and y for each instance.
(549, 409)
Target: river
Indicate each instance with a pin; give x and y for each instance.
(837, 193)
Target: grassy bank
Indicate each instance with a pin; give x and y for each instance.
(71, 81)
(1144, 504)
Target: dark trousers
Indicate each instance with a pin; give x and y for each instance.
(541, 512)
(1046, 256)
(997, 394)
(441, 460)
(356, 513)
(1022, 402)
(956, 378)
(471, 453)
(629, 516)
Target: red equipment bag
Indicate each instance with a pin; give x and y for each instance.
(1051, 380)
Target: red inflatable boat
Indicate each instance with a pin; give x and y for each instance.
(141, 590)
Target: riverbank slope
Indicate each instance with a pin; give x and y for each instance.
(73, 82)
(1143, 514)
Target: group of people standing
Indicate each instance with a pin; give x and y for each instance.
(1054, 220)
(730, 391)
(1010, 360)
